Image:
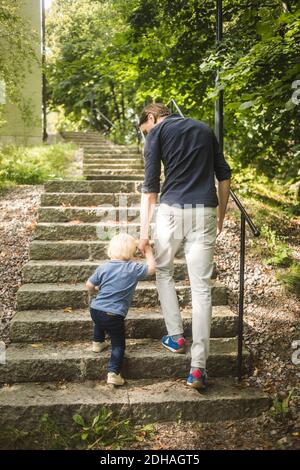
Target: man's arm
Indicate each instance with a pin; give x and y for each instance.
(223, 195)
(148, 202)
(151, 186)
(223, 175)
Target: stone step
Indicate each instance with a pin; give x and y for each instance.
(78, 271)
(143, 401)
(83, 133)
(112, 166)
(100, 148)
(119, 173)
(144, 359)
(123, 161)
(31, 326)
(113, 158)
(111, 147)
(100, 231)
(101, 213)
(74, 230)
(95, 176)
(97, 186)
(86, 140)
(71, 250)
(109, 153)
(64, 295)
(90, 199)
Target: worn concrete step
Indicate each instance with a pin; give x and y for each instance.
(83, 133)
(90, 199)
(104, 158)
(97, 186)
(22, 406)
(105, 153)
(124, 161)
(144, 359)
(78, 271)
(97, 176)
(114, 149)
(100, 213)
(63, 295)
(76, 230)
(31, 326)
(119, 173)
(72, 250)
(113, 166)
(114, 152)
(86, 138)
(85, 141)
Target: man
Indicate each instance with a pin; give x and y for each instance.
(190, 213)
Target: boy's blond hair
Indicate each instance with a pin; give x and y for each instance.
(122, 246)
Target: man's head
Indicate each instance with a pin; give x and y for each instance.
(151, 115)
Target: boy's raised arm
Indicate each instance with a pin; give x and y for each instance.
(91, 288)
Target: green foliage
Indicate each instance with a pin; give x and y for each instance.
(291, 278)
(33, 165)
(281, 253)
(281, 404)
(104, 431)
(83, 70)
(17, 53)
(147, 50)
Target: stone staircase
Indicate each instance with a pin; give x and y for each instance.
(50, 367)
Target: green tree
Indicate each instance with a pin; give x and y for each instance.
(16, 50)
(117, 56)
(83, 71)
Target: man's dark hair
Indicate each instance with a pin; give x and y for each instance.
(157, 109)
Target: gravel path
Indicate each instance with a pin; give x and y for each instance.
(18, 214)
(272, 327)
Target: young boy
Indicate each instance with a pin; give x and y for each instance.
(115, 283)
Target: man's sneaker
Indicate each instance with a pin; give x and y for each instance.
(98, 347)
(176, 346)
(115, 379)
(197, 379)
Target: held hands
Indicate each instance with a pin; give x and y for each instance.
(143, 242)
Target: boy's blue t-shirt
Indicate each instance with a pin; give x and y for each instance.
(117, 281)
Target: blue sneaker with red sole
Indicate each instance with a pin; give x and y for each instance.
(197, 379)
(176, 346)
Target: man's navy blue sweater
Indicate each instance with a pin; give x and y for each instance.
(190, 154)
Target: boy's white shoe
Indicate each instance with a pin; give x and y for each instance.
(115, 379)
(98, 347)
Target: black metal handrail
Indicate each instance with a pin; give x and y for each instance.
(244, 218)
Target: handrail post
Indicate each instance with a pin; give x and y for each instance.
(241, 299)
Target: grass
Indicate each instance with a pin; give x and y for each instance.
(104, 431)
(34, 165)
(291, 278)
(275, 210)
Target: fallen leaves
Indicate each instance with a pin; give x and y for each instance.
(68, 310)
